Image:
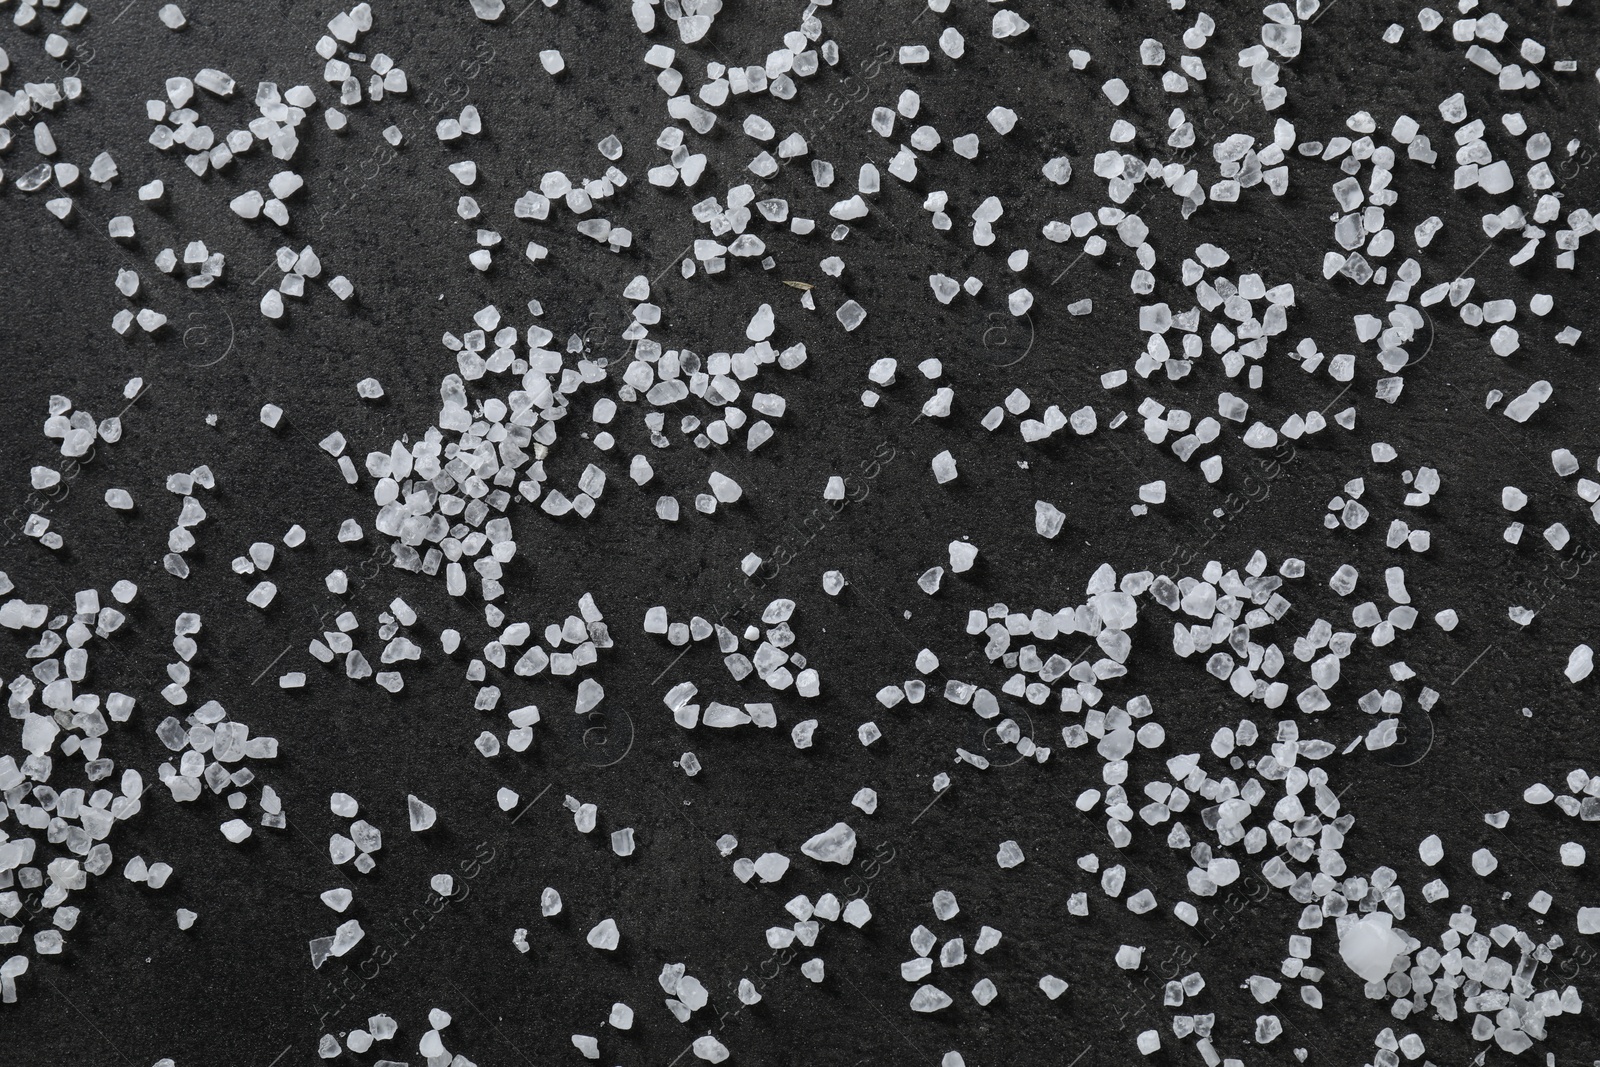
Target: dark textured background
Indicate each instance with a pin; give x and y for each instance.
(237, 988)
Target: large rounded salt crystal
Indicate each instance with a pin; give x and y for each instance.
(1369, 946)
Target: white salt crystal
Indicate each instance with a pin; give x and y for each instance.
(770, 866)
(1431, 850)
(604, 935)
(1580, 664)
(421, 815)
(1370, 945)
(834, 845)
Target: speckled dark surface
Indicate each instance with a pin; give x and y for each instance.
(239, 989)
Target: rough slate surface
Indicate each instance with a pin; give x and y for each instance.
(238, 987)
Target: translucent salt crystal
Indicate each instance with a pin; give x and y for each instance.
(770, 866)
(590, 693)
(1580, 664)
(1484, 862)
(761, 325)
(1153, 492)
(837, 844)
(944, 467)
(604, 936)
(929, 998)
(1010, 854)
(549, 903)
(1047, 518)
(1431, 850)
(851, 314)
(1525, 405)
(1052, 986)
(421, 815)
(708, 1048)
(346, 937)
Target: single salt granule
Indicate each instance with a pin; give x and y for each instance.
(1431, 850)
